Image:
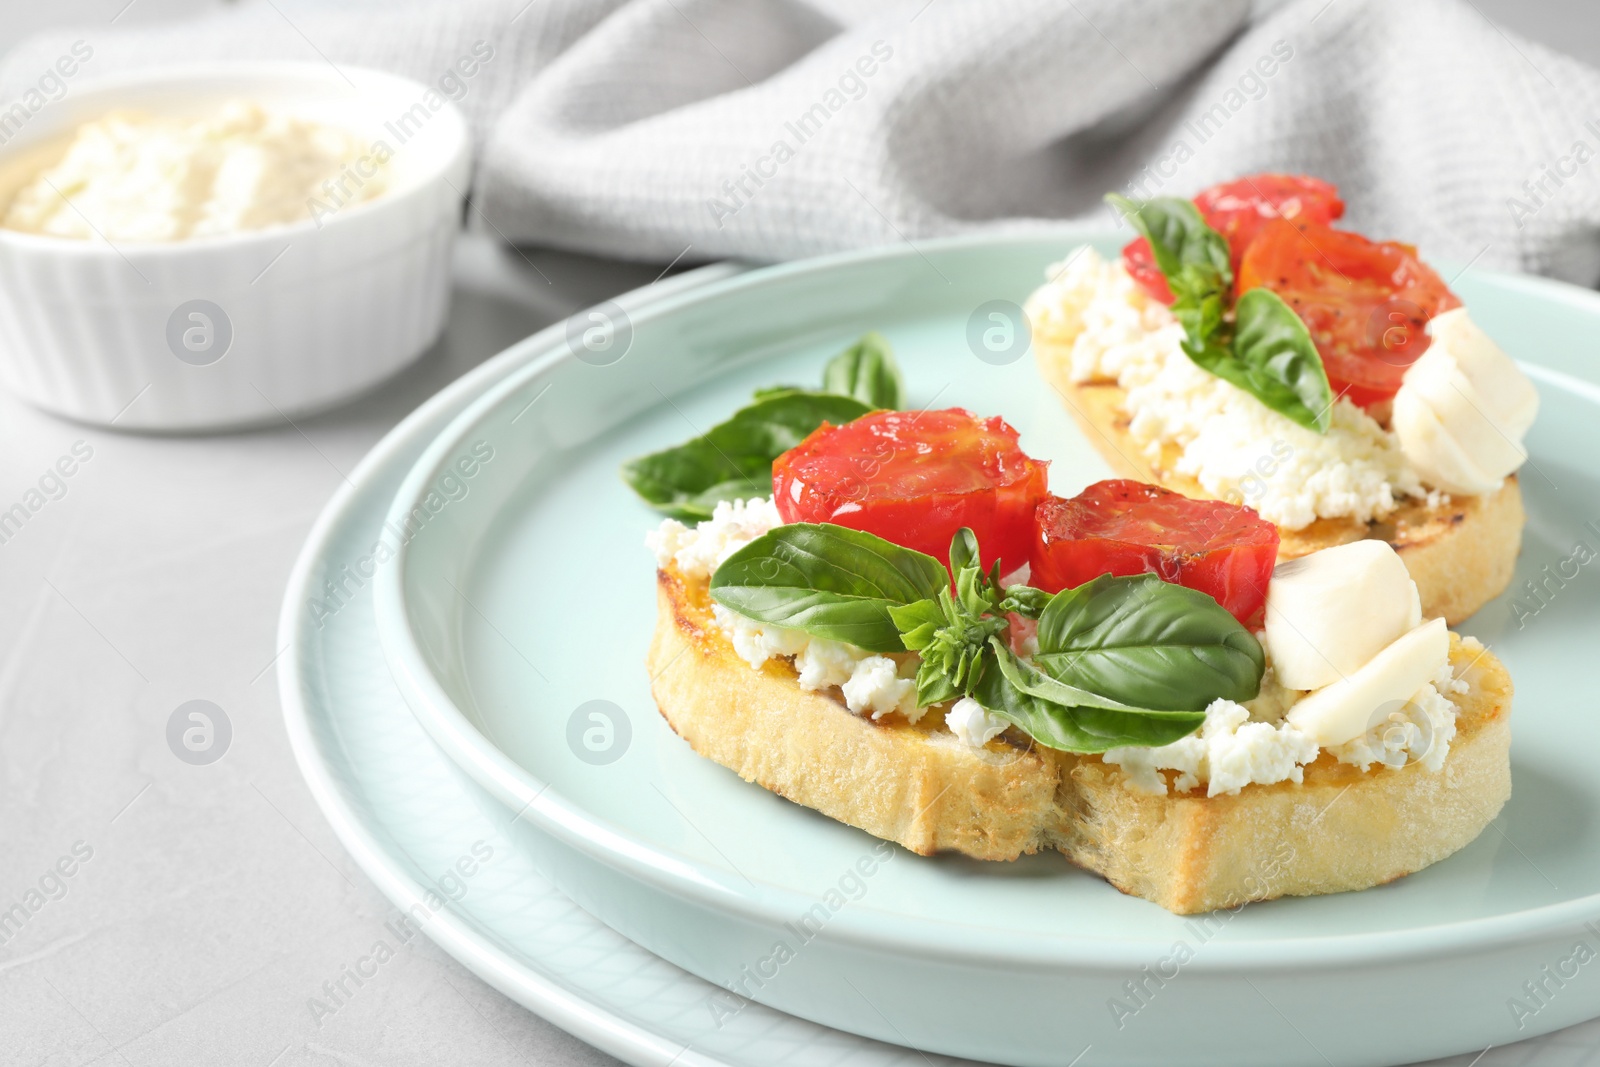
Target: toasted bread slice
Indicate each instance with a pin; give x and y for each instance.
(1461, 553)
(918, 786)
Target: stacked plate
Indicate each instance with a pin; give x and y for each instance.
(466, 692)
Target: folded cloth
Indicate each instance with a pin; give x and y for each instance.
(768, 129)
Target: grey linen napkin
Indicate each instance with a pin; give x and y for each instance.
(769, 129)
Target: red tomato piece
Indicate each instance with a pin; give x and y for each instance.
(1365, 302)
(1140, 262)
(915, 478)
(1125, 527)
(1238, 210)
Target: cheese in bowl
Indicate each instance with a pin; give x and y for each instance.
(189, 248)
(134, 176)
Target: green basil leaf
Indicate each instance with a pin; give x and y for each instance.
(1275, 360)
(831, 582)
(767, 392)
(1036, 683)
(734, 458)
(1267, 351)
(1192, 255)
(699, 506)
(934, 686)
(1026, 601)
(975, 592)
(918, 622)
(1204, 331)
(1148, 643)
(964, 551)
(1072, 729)
(867, 371)
(950, 636)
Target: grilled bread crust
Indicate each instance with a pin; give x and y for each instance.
(917, 785)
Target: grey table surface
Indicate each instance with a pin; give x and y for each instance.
(206, 905)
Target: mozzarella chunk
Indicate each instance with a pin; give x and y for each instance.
(1350, 707)
(1463, 409)
(1419, 732)
(1330, 612)
(972, 725)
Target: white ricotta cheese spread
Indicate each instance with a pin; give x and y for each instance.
(131, 176)
(699, 550)
(870, 684)
(1236, 447)
(1240, 745)
(972, 725)
(878, 685)
(1230, 752)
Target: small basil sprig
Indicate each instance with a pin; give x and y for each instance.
(952, 631)
(1122, 661)
(1266, 349)
(733, 460)
(867, 371)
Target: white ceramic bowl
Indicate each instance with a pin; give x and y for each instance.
(290, 319)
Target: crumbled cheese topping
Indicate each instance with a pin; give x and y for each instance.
(1236, 447)
(1241, 745)
(1419, 732)
(870, 684)
(699, 550)
(877, 686)
(972, 725)
(1230, 752)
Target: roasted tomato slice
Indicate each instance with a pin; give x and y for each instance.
(1140, 262)
(915, 478)
(1127, 527)
(1366, 303)
(1238, 210)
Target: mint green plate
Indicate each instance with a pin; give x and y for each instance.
(408, 815)
(524, 594)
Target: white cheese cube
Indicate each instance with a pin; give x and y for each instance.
(1348, 708)
(1330, 612)
(1463, 409)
